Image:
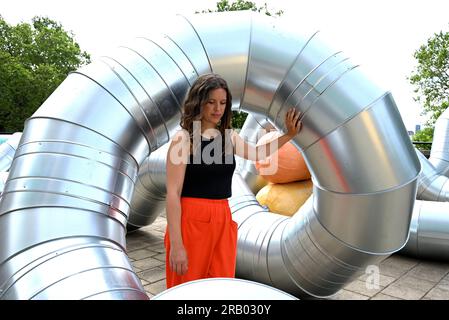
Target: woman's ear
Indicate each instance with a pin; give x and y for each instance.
(199, 116)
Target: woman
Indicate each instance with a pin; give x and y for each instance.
(201, 237)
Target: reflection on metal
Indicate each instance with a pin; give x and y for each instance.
(148, 200)
(429, 231)
(7, 151)
(432, 186)
(349, 125)
(439, 155)
(253, 129)
(3, 178)
(74, 172)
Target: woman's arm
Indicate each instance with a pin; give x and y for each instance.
(261, 152)
(177, 157)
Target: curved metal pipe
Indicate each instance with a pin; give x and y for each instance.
(3, 178)
(432, 186)
(74, 172)
(429, 231)
(253, 129)
(7, 151)
(299, 254)
(439, 154)
(348, 125)
(148, 200)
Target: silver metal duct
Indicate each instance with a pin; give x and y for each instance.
(432, 186)
(65, 205)
(352, 140)
(429, 231)
(253, 129)
(148, 200)
(3, 178)
(72, 180)
(7, 151)
(439, 154)
(299, 254)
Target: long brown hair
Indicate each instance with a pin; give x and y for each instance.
(198, 95)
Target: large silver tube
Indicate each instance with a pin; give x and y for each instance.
(319, 263)
(439, 154)
(7, 151)
(148, 200)
(74, 173)
(65, 205)
(352, 138)
(429, 231)
(253, 129)
(432, 186)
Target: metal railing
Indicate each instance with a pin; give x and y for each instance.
(424, 147)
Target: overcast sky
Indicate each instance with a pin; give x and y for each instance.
(381, 35)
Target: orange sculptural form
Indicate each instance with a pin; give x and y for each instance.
(285, 165)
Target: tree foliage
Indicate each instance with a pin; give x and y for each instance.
(34, 59)
(239, 117)
(238, 5)
(424, 135)
(431, 79)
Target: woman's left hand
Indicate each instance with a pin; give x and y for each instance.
(292, 122)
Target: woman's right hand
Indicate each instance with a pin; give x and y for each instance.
(292, 122)
(178, 259)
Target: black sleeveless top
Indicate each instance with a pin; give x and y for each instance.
(209, 171)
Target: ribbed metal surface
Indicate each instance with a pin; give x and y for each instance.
(429, 231)
(352, 140)
(7, 151)
(439, 155)
(432, 186)
(253, 129)
(148, 200)
(335, 235)
(72, 180)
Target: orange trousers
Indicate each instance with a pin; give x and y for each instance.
(210, 238)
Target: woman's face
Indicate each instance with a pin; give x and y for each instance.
(214, 108)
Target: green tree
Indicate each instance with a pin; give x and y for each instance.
(34, 59)
(238, 5)
(424, 135)
(431, 79)
(239, 117)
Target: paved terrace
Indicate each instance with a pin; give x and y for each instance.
(401, 277)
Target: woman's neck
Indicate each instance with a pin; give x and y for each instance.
(205, 125)
(208, 130)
